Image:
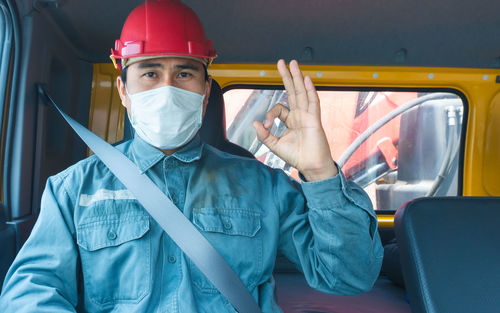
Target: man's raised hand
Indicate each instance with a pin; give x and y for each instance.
(303, 145)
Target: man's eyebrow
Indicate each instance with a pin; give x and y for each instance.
(187, 66)
(149, 65)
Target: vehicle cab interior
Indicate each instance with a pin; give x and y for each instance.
(410, 104)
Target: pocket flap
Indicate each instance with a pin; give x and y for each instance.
(231, 222)
(102, 234)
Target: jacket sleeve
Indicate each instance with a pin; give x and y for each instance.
(43, 275)
(328, 229)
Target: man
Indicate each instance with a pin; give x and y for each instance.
(93, 239)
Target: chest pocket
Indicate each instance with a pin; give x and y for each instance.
(234, 233)
(116, 261)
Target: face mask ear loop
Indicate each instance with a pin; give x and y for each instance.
(206, 89)
(126, 90)
(128, 113)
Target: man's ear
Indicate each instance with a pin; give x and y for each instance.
(208, 88)
(120, 85)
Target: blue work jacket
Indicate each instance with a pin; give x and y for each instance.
(95, 248)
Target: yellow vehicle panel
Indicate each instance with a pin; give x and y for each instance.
(481, 169)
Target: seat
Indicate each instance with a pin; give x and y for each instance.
(213, 129)
(450, 253)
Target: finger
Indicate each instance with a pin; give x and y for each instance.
(287, 82)
(265, 136)
(277, 111)
(312, 96)
(298, 83)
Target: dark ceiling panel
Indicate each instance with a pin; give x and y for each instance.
(458, 33)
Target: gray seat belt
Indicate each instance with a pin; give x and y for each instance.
(170, 218)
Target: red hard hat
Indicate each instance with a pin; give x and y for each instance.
(162, 27)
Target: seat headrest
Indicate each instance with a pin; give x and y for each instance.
(213, 129)
(450, 253)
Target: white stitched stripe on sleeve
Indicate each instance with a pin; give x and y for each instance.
(105, 194)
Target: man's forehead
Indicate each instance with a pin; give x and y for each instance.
(169, 62)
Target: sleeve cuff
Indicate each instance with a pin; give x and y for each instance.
(315, 191)
(325, 195)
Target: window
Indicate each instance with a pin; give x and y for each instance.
(397, 145)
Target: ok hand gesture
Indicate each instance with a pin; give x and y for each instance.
(303, 145)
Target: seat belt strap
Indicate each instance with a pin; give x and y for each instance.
(170, 218)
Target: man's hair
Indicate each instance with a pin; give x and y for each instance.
(124, 73)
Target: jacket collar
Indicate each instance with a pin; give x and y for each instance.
(146, 156)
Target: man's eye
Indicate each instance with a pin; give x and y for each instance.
(150, 74)
(184, 74)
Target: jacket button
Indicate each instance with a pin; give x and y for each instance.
(172, 259)
(111, 235)
(227, 224)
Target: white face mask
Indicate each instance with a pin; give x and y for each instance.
(166, 117)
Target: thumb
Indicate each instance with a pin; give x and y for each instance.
(264, 135)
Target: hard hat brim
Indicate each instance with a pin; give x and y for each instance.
(130, 61)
